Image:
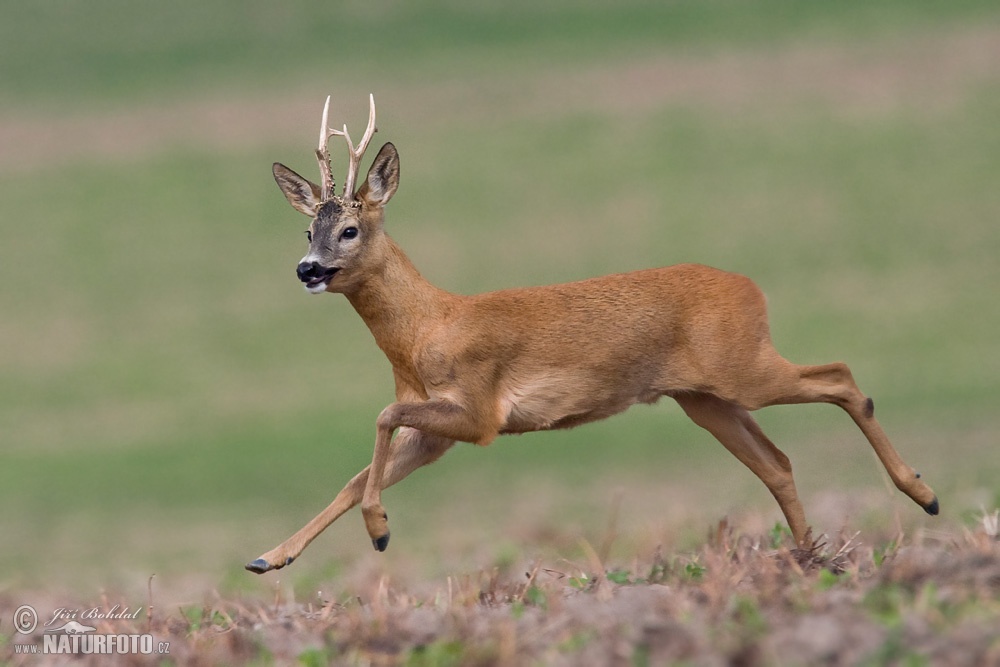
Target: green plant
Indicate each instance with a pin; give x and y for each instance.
(879, 555)
(827, 579)
(779, 534)
(444, 653)
(619, 577)
(694, 570)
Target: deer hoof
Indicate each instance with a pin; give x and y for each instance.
(932, 508)
(381, 543)
(260, 566)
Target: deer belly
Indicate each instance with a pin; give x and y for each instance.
(557, 402)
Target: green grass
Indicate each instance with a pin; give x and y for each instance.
(101, 54)
(159, 364)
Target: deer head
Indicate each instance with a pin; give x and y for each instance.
(346, 240)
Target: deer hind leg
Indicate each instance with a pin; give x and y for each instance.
(733, 426)
(833, 383)
(411, 450)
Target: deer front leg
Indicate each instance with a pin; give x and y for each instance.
(436, 417)
(412, 450)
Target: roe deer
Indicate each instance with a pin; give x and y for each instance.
(471, 368)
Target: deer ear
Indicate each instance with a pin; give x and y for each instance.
(383, 178)
(302, 194)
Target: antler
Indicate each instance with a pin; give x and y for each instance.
(323, 154)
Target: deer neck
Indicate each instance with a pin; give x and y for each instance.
(397, 303)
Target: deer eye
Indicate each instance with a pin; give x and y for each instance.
(309, 235)
(349, 233)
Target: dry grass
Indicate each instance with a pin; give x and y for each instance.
(738, 599)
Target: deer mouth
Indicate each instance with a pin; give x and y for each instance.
(318, 284)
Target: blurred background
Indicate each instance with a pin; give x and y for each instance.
(173, 402)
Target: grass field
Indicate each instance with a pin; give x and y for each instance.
(162, 410)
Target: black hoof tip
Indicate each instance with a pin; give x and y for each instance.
(381, 543)
(259, 566)
(933, 508)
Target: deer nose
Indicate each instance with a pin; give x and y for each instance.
(306, 271)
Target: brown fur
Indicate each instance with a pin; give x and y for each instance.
(469, 368)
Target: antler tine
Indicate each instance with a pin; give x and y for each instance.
(323, 154)
(358, 153)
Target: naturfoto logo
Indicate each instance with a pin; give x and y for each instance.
(67, 632)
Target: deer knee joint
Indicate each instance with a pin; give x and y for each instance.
(388, 419)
